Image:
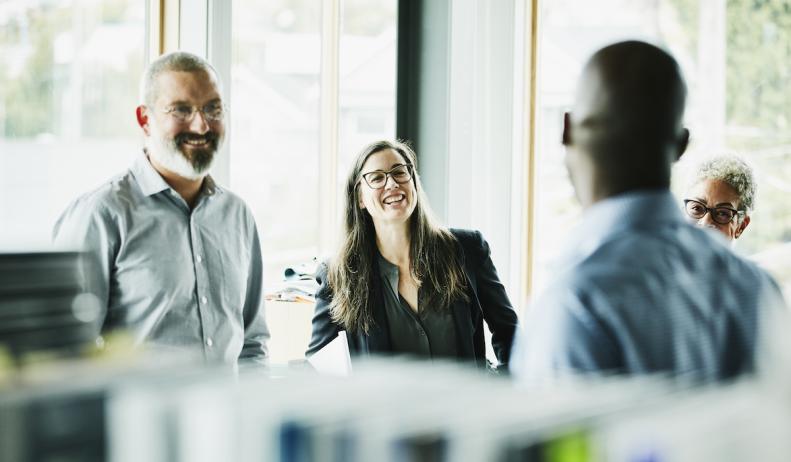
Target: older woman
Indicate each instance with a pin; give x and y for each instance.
(721, 195)
(402, 284)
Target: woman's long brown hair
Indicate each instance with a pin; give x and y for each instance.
(434, 253)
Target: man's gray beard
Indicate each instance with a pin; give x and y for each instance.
(168, 155)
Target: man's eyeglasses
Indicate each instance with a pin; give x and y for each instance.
(721, 215)
(378, 179)
(212, 112)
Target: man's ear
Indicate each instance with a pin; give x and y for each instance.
(742, 227)
(682, 144)
(142, 118)
(566, 129)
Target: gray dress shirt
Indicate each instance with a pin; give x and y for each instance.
(172, 277)
(427, 333)
(643, 291)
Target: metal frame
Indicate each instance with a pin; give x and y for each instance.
(466, 97)
(162, 17)
(529, 130)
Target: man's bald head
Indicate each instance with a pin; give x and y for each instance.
(626, 122)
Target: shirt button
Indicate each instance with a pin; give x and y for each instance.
(209, 342)
(204, 300)
(199, 258)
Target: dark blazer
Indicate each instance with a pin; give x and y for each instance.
(487, 301)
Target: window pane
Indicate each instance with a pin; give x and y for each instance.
(367, 76)
(69, 74)
(366, 98)
(734, 56)
(275, 124)
(275, 111)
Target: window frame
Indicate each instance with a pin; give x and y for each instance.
(203, 27)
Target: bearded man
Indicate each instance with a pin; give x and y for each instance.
(174, 258)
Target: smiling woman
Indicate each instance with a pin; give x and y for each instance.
(390, 195)
(721, 195)
(402, 284)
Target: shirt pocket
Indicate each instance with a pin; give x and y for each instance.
(231, 268)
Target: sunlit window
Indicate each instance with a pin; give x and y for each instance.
(367, 76)
(276, 96)
(69, 73)
(275, 124)
(275, 119)
(735, 58)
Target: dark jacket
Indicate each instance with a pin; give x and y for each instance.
(487, 301)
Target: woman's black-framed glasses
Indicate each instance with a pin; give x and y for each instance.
(377, 179)
(721, 215)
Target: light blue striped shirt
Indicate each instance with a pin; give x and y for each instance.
(172, 277)
(643, 291)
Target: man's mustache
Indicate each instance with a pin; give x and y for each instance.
(209, 136)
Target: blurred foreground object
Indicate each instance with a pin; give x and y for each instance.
(159, 409)
(43, 309)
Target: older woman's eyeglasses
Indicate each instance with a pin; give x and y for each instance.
(721, 215)
(377, 179)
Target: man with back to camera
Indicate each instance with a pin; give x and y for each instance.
(176, 258)
(641, 290)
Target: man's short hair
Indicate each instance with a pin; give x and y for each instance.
(733, 171)
(177, 61)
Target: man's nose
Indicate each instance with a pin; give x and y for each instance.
(198, 124)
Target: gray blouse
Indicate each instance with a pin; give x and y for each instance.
(427, 333)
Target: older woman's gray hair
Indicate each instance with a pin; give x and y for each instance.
(734, 172)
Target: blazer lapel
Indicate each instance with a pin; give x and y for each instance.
(463, 313)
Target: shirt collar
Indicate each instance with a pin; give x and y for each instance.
(633, 210)
(210, 187)
(151, 182)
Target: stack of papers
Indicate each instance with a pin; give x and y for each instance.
(298, 285)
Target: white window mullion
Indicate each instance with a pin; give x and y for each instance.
(162, 19)
(219, 48)
(523, 211)
(205, 30)
(328, 149)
